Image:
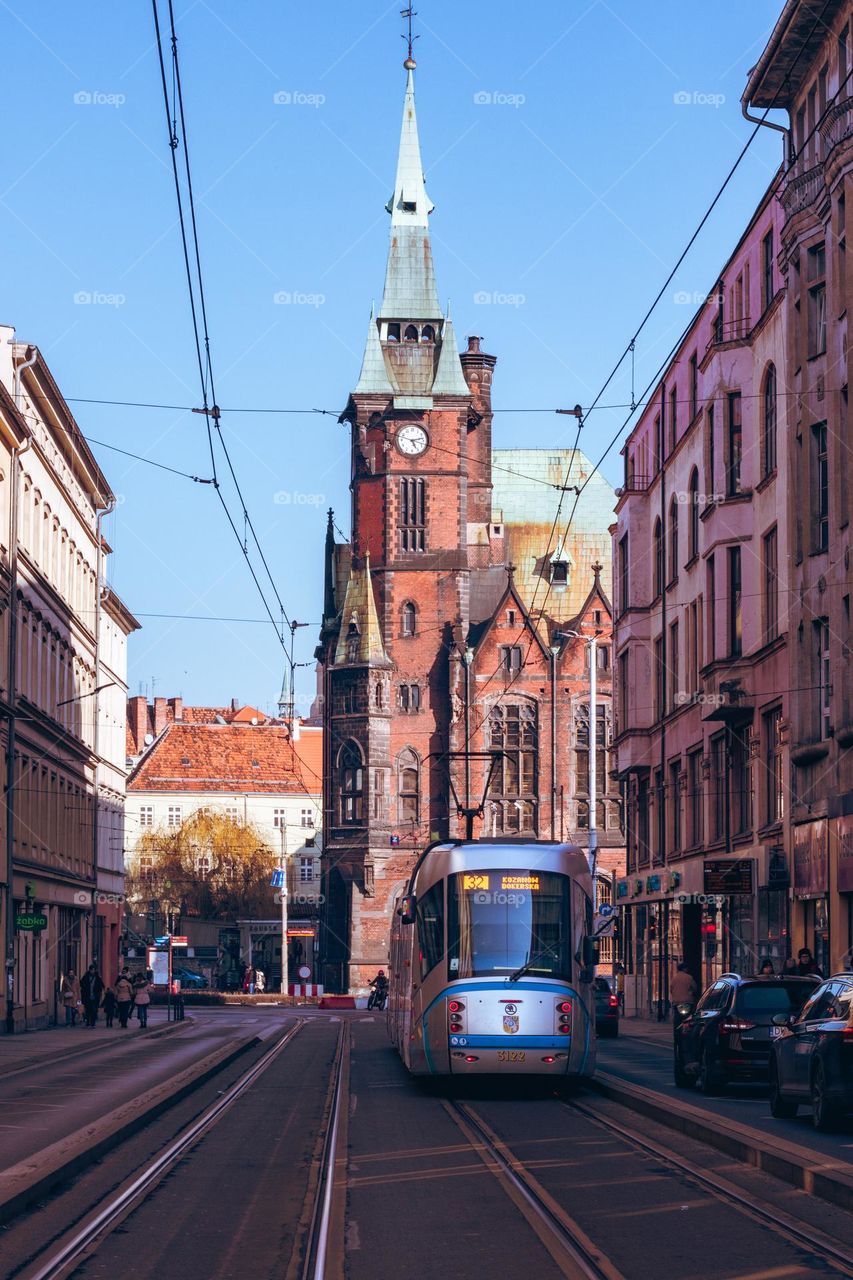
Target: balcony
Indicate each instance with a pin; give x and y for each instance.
(729, 331)
(837, 125)
(801, 189)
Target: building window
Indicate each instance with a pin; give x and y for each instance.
(582, 779)
(658, 852)
(146, 864)
(660, 680)
(513, 790)
(767, 255)
(694, 386)
(146, 815)
(411, 333)
(642, 822)
(624, 573)
(408, 788)
(693, 516)
(510, 617)
(559, 574)
(710, 487)
(673, 418)
(672, 660)
(410, 697)
(623, 691)
(279, 818)
(735, 443)
(740, 783)
(720, 317)
(718, 787)
(769, 421)
(735, 603)
(412, 515)
(602, 657)
(771, 585)
(410, 619)
(694, 798)
(306, 818)
(173, 818)
(351, 767)
(820, 488)
(822, 684)
(353, 645)
(816, 268)
(674, 806)
(658, 555)
(393, 332)
(306, 870)
(658, 445)
(844, 445)
(712, 606)
(510, 655)
(673, 540)
(232, 813)
(774, 767)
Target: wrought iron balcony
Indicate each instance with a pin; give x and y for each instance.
(729, 331)
(837, 125)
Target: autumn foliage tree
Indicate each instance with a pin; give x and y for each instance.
(210, 867)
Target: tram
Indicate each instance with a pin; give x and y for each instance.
(492, 961)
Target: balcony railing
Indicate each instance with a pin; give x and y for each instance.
(837, 125)
(801, 189)
(729, 331)
(636, 482)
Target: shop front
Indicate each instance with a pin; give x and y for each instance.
(844, 880)
(811, 866)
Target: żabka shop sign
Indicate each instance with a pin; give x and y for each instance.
(810, 859)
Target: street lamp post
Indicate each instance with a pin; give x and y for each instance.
(284, 892)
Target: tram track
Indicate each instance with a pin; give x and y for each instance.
(62, 1256)
(575, 1254)
(793, 1229)
(328, 1194)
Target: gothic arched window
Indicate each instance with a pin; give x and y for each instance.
(411, 334)
(409, 618)
(428, 333)
(769, 421)
(657, 555)
(351, 773)
(512, 793)
(693, 515)
(673, 540)
(408, 786)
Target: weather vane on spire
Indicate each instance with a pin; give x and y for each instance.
(408, 14)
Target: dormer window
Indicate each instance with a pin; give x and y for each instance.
(559, 574)
(510, 617)
(411, 334)
(353, 643)
(596, 617)
(393, 333)
(428, 333)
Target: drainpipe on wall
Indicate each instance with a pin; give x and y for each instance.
(14, 505)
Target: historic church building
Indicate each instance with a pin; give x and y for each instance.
(456, 625)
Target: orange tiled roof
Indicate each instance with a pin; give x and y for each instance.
(227, 757)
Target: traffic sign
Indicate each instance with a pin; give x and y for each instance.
(604, 928)
(179, 940)
(277, 881)
(605, 909)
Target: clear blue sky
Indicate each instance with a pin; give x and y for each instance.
(565, 199)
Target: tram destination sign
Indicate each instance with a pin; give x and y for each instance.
(33, 921)
(727, 876)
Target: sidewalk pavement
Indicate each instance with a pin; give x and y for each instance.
(647, 1029)
(32, 1048)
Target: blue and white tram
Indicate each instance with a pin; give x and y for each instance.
(492, 961)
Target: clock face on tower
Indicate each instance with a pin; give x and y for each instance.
(412, 440)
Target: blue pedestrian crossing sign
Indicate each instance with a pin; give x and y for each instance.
(277, 881)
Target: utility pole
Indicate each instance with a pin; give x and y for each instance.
(284, 892)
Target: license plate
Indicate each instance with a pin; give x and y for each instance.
(511, 1055)
(774, 1032)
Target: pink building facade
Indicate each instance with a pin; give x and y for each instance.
(701, 641)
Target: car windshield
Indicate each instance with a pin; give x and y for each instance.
(773, 997)
(502, 921)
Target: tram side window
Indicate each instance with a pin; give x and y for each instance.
(431, 927)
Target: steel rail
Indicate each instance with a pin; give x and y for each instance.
(70, 1252)
(316, 1254)
(782, 1223)
(585, 1260)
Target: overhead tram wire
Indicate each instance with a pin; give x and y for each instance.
(205, 367)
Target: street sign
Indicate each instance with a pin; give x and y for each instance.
(604, 928)
(277, 881)
(33, 920)
(179, 940)
(605, 909)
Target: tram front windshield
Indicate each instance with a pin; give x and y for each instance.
(503, 922)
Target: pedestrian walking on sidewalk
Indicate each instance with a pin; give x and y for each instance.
(260, 981)
(91, 990)
(69, 993)
(142, 998)
(683, 989)
(109, 1006)
(124, 997)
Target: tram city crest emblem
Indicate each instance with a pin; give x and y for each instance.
(510, 1023)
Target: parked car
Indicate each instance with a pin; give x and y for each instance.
(606, 1008)
(188, 979)
(812, 1055)
(727, 1036)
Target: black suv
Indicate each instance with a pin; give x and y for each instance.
(727, 1035)
(812, 1055)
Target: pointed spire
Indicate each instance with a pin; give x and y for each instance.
(360, 638)
(373, 378)
(410, 290)
(284, 696)
(449, 378)
(329, 609)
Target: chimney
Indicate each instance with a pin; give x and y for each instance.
(235, 704)
(137, 720)
(161, 715)
(177, 705)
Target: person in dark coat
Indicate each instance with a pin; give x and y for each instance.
(124, 997)
(806, 966)
(91, 990)
(109, 1005)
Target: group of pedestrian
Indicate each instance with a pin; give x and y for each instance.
(803, 967)
(254, 980)
(90, 994)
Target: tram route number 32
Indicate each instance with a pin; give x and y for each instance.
(511, 1055)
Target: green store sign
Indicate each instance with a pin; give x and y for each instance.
(34, 921)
